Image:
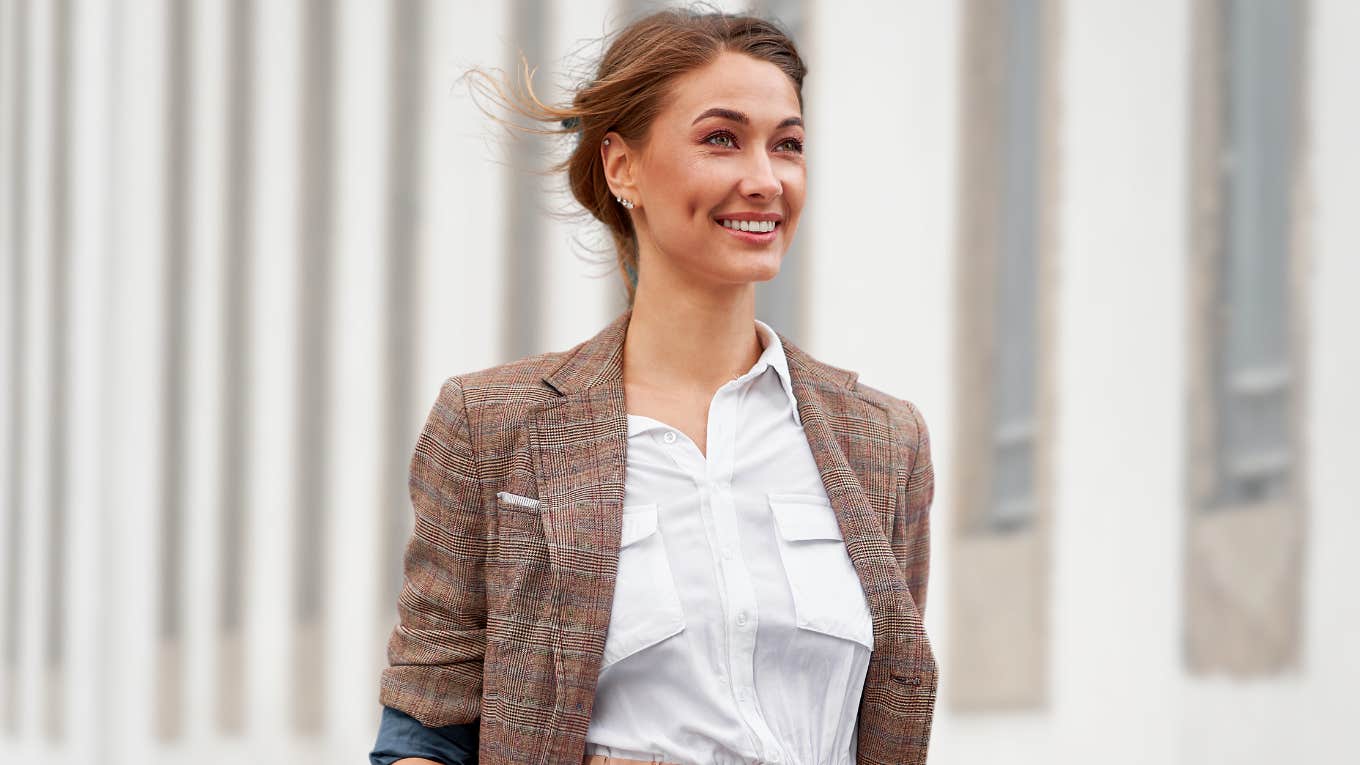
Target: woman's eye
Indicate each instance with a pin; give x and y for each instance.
(725, 140)
(792, 144)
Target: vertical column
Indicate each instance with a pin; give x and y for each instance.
(272, 491)
(404, 151)
(311, 508)
(41, 403)
(174, 232)
(131, 646)
(462, 240)
(1331, 609)
(1118, 502)
(205, 487)
(89, 444)
(524, 287)
(16, 251)
(236, 336)
(56, 635)
(354, 490)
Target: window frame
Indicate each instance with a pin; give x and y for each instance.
(999, 618)
(1243, 572)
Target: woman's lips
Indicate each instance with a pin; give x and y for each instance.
(751, 236)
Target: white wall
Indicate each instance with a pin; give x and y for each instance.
(1308, 716)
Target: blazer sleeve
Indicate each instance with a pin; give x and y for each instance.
(911, 526)
(436, 650)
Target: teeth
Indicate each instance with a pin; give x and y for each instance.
(755, 226)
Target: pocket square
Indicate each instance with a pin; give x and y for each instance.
(516, 499)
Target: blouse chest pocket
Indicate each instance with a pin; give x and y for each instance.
(646, 608)
(827, 594)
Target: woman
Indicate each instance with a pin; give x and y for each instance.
(683, 540)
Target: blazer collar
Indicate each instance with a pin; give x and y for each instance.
(600, 360)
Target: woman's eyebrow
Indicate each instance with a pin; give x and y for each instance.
(736, 116)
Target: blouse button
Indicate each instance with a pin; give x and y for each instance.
(669, 437)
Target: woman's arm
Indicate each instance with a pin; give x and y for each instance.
(436, 651)
(911, 530)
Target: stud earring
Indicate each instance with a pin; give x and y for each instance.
(628, 204)
(606, 142)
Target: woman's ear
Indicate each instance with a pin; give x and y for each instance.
(620, 166)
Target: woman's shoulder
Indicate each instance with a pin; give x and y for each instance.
(909, 424)
(907, 421)
(518, 378)
(516, 383)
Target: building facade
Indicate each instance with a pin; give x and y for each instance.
(1108, 248)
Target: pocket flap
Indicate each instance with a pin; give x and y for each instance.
(801, 517)
(638, 522)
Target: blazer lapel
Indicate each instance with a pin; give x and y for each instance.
(852, 443)
(578, 446)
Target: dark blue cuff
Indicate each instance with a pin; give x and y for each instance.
(402, 735)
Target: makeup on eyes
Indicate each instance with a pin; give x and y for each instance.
(797, 143)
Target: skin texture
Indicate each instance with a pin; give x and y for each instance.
(693, 322)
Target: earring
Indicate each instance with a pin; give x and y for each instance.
(606, 142)
(628, 204)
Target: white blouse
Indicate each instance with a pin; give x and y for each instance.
(740, 632)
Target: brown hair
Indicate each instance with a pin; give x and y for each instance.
(627, 93)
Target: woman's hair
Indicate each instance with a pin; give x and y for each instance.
(628, 91)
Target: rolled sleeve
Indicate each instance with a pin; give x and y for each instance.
(436, 651)
(402, 735)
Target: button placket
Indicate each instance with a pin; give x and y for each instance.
(743, 614)
(714, 505)
(712, 475)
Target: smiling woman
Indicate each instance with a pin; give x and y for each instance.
(683, 540)
(690, 137)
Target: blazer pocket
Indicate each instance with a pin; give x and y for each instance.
(828, 596)
(646, 608)
(518, 518)
(519, 581)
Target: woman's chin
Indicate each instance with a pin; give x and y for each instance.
(757, 268)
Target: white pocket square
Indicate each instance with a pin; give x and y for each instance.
(515, 499)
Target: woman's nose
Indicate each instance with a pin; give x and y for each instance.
(760, 180)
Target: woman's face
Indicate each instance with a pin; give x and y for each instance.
(724, 154)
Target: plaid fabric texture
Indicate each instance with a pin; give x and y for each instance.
(505, 605)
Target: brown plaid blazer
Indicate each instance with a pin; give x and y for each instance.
(504, 605)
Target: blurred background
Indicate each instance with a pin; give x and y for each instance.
(1109, 248)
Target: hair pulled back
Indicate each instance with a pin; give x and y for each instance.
(628, 91)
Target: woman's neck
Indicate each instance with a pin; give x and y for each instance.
(690, 344)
